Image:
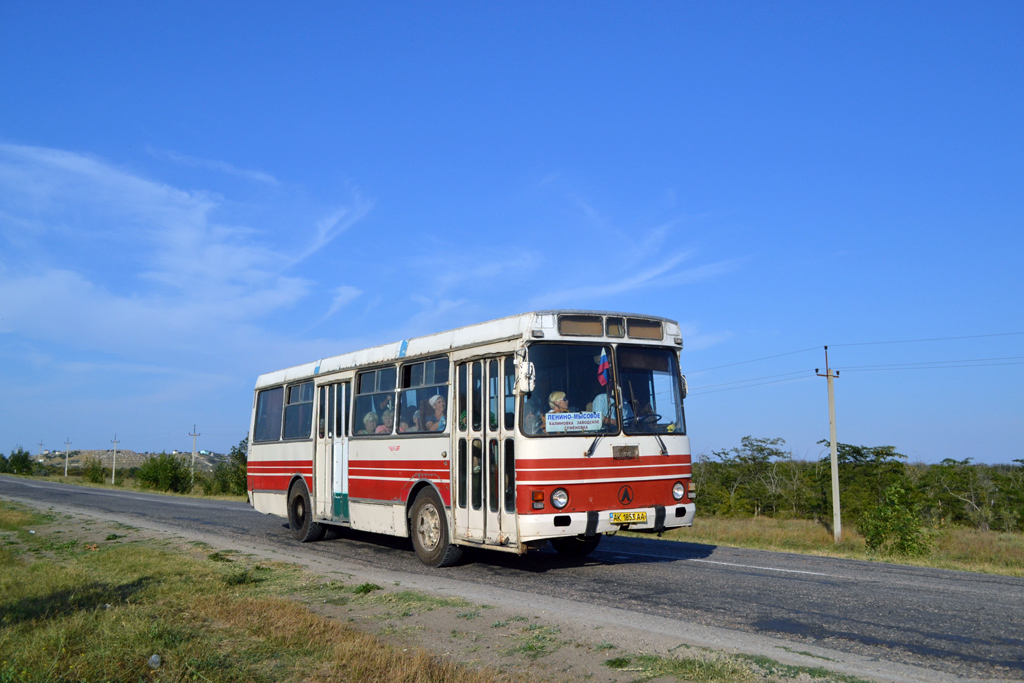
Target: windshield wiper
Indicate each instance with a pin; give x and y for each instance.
(593, 444)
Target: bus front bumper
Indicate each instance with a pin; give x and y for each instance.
(659, 518)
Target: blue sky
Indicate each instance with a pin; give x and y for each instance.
(191, 195)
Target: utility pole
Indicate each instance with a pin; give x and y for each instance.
(67, 454)
(113, 466)
(193, 434)
(837, 522)
(40, 449)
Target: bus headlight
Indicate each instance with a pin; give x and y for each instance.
(559, 498)
(678, 490)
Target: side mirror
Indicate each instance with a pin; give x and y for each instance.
(685, 388)
(527, 379)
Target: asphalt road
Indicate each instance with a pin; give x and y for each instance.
(954, 623)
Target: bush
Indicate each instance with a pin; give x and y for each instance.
(229, 476)
(94, 471)
(894, 525)
(165, 473)
(19, 462)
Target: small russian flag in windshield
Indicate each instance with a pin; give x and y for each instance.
(604, 369)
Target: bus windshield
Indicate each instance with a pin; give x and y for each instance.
(649, 386)
(575, 391)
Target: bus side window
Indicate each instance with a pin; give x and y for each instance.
(510, 399)
(269, 404)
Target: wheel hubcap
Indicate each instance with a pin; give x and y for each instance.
(428, 527)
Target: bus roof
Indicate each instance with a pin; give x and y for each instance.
(525, 326)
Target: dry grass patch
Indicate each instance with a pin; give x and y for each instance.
(100, 611)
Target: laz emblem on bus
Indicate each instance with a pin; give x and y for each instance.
(393, 448)
(626, 495)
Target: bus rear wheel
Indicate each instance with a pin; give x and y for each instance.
(575, 546)
(430, 531)
(300, 515)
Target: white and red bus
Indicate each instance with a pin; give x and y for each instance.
(552, 426)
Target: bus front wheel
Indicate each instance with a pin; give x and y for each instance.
(300, 515)
(430, 531)
(575, 546)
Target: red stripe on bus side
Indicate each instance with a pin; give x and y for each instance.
(393, 491)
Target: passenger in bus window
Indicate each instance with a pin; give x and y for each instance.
(436, 422)
(405, 419)
(604, 404)
(558, 402)
(369, 424)
(389, 423)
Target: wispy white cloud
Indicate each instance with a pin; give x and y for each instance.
(337, 222)
(104, 258)
(214, 165)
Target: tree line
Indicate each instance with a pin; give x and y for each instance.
(760, 478)
(162, 472)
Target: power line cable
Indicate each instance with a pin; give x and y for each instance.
(914, 341)
(934, 363)
(752, 379)
(744, 362)
(748, 386)
(933, 367)
(898, 341)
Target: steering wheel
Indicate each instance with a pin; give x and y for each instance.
(646, 422)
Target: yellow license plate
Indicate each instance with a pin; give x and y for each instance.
(629, 517)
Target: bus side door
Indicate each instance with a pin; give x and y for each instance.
(330, 468)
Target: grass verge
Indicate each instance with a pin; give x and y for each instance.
(101, 611)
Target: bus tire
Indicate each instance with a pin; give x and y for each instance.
(429, 528)
(300, 515)
(575, 546)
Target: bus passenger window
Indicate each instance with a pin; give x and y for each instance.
(298, 411)
(375, 402)
(423, 397)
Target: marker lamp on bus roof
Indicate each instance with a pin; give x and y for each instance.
(559, 498)
(678, 490)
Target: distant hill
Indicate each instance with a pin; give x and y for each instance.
(125, 458)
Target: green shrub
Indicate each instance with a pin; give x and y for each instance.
(894, 525)
(165, 473)
(19, 462)
(94, 471)
(229, 476)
